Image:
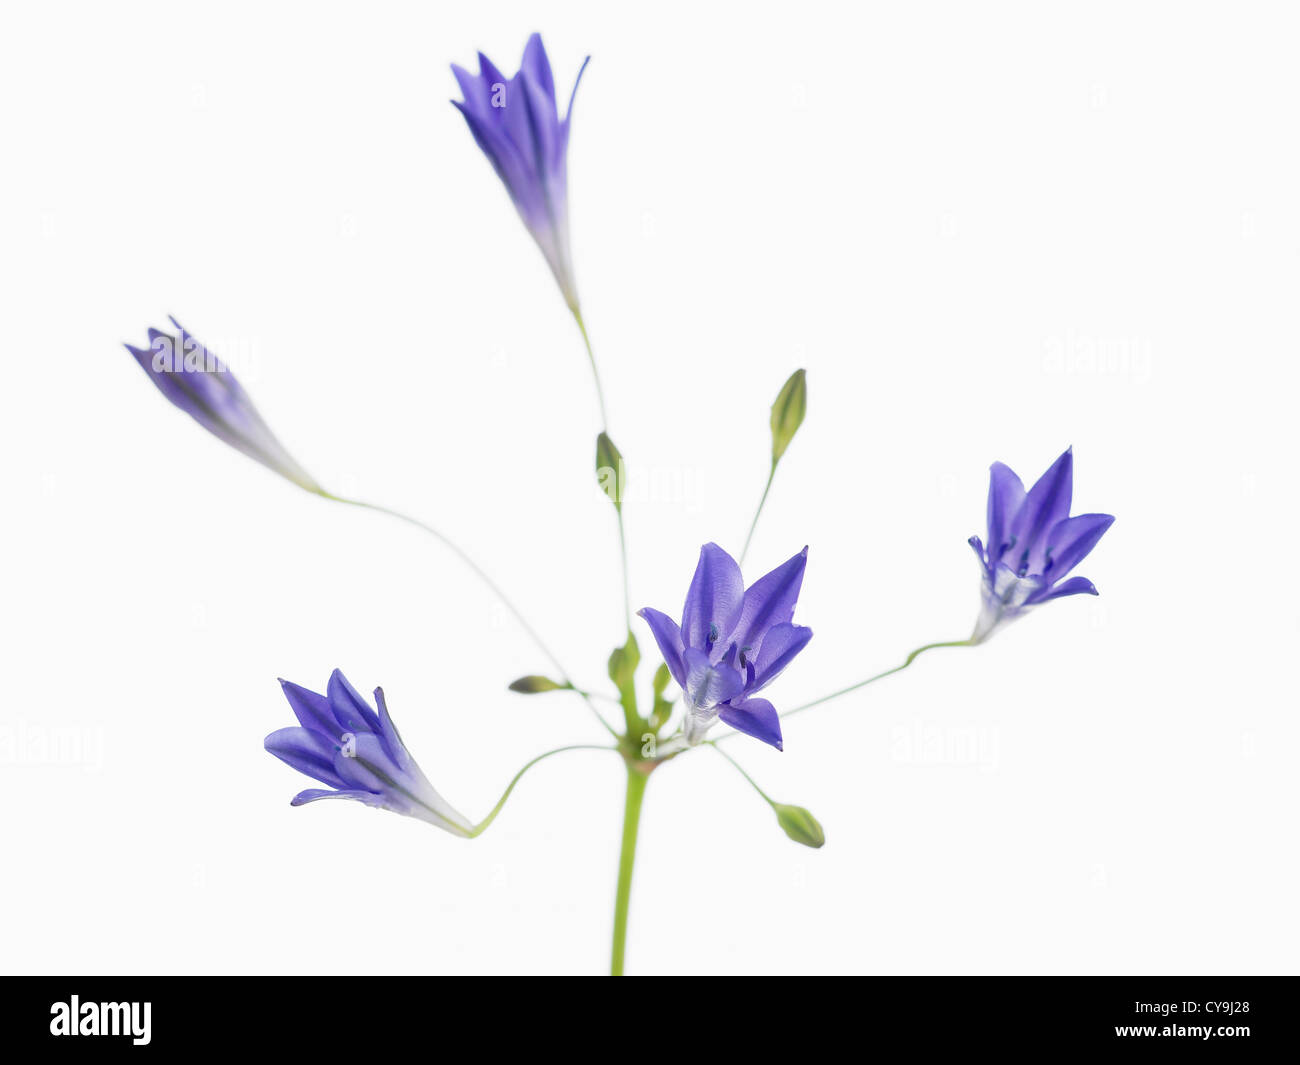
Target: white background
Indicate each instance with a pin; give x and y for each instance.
(987, 233)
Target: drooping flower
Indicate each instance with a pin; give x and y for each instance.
(733, 642)
(517, 125)
(1033, 544)
(201, 385)
(358, 753)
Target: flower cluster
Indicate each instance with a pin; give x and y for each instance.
(732, 641)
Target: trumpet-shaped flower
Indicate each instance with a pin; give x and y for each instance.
(733, 641)
(516, 123)
(357, 752)
(1033, 544)
(203, 387)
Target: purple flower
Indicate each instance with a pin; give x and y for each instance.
(733, 641)
(517, 125)
(343, 743)
(1033, 544)
(204, 388)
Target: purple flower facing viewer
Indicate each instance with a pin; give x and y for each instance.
(1033, 544)
(358, 754)
(516, 123)
(733, 641)
(203, 387)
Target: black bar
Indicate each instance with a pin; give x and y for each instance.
(327, 1015)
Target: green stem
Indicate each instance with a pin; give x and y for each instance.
(636, 782)
(492, 586)
(595, 373)
(714, 744)
(754, 524)
(482, 826)
(618, 474)
(879, 676)
(622, 550)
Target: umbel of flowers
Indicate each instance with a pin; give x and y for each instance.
(729, 643)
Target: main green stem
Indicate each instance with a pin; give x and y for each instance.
(636, 782)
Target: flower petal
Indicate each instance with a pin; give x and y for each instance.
(350, 710)
(707, 685)
(489, 73)
(778, 650)
(307, 751)
(714, 601)
(1070, 541)
(389, 734)
(475, 89)
(770, 600)
(312, 794)
(1074, 586)
(1006, 497)
(312, 710)
(362, 762)
(754, 717)
(538, 68)
(669, 638)
(1047, 503)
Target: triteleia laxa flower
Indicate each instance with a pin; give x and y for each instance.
(203, 387)
(357, 752)
(517, 125)
(1033, 544)
(733, 641)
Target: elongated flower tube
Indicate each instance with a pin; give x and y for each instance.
(1033, 544)
(516, 123)
(203, 387)
(358, 754)
(733, 642)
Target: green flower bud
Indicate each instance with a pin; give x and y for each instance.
(533, 684)
(610, 472)
(799, 825)
(787, 413)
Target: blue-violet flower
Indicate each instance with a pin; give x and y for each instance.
(1033, 544)
(733, 641)
(201, 385)
(516, 123)
(343, 743)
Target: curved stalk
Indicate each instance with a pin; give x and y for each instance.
(879, 676)
(492, 586)
(482, 826)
